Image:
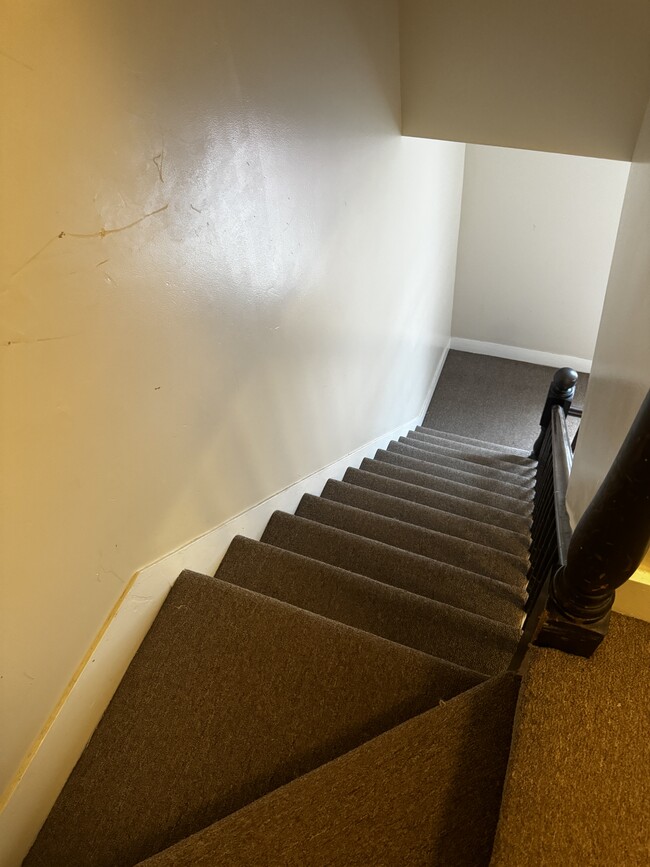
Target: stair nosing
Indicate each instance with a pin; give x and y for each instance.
(473, 523)
(453, 445)
(518, 566)
(461, 438)
(515, 470)
(518, 591)
(394, 447)
(514, 504)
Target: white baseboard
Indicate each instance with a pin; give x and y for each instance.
(29, 797)
(518, 353)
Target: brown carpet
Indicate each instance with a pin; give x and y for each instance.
(381, 503)
(494, 399)
(324, 700)
(367, 607)
(424, 793)
(476, 454)
(578, 786)
(391, 468)
(519, 456)
(397, 567)
(407, 488)
(380, 609)
(449, 458)
(231, 695)
(416, 459)
(494, 564)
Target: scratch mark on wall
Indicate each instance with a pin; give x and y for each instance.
(103, 262)
(158, 162)
(29, 340)
(35, 256)
(102, 233)
(110, 572)
(15, 60)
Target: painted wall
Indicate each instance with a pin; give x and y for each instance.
(536, 242)
(222, 269)
(553, 76)
(620, 374)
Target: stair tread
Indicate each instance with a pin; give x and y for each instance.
(334, 816)
(514, 514)
(437, 546)
(430, 517)
(473, 463)
(441, 630)
(418, 460)
(501, 459)
(397, 567)
(231, 695)
(486, 444)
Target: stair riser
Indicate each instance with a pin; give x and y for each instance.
(473, 470)
(412, 458)
(485, 444)
(508, 512)
(498, 459)
(427, 517)
(397, 567)
(478, 464)
(437, 546)
(355, 600)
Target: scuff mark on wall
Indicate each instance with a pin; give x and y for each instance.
(101, 233)
(106, 571)
(29, 340)
(15, 60)
(158, 162)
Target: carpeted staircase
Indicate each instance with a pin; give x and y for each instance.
(338, 694)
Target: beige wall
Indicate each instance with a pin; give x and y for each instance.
(222, 269)
(571, 77)
(621, 369)
(537, 236)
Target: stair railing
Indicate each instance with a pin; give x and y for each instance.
(561, 393)
(551, 528)
(574, 576)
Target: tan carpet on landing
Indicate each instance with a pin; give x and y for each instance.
(578, 785)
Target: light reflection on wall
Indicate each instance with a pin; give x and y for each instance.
(251, 321)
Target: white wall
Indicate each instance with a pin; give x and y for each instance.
(536, 241)
(273, 287)
(620, 375)
(550, 76)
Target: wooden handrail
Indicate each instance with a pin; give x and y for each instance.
(562, 463)
(561, 392)
(605, 549)
(551, 528)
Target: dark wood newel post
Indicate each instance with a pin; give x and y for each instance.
(561, 393)
(606, 548)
